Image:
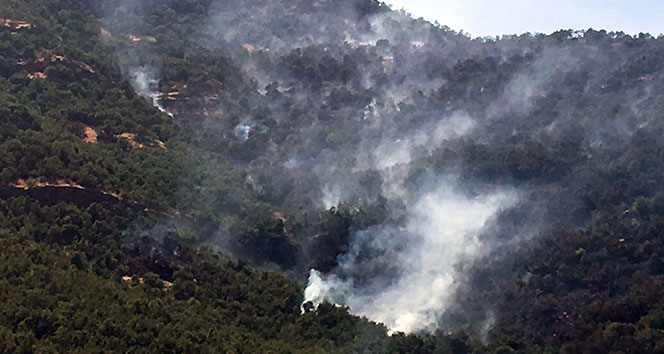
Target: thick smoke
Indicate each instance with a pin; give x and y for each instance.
(404, 275)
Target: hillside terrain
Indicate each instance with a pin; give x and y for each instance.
(172, 174)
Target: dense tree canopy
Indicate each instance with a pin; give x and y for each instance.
(147, 146)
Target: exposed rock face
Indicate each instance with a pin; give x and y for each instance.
(161, 144)
(135, 38)
(36, 76)
(14, 24)
(52, 194)
(90, 135)
(130, 138)
(36, 65)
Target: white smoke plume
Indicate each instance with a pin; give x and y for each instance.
(417, 265)
(146, 85)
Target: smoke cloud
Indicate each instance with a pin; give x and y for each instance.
(468, 147)
(404, 275)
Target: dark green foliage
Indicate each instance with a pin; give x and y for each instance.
(86, 264)
(592, 290)
(101, 241)
(67, 286)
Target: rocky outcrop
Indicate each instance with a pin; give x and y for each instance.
(53, 192)
(15, 24)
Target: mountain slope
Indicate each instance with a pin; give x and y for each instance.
(335, 135)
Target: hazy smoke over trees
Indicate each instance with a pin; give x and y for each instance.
(469, 147)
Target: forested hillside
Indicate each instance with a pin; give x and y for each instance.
(90, 171)
(172, 171)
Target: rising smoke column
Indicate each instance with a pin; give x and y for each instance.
(412, 269)
(144, 82)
